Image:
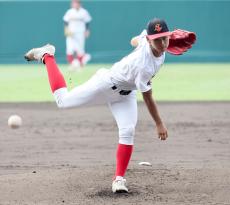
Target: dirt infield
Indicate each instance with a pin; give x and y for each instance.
(68, 156)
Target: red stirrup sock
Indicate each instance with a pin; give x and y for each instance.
(56, 78)
(80, 58)
(70, 58)
(124, 153)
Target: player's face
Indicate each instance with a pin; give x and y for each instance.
(76, 4)
(159, 45)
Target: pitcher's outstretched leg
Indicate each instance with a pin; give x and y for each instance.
(56, 78)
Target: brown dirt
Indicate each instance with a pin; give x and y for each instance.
(68, 156)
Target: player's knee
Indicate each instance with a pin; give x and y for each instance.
(61, 105)
(126, 135)
(127, 131)
(59, 96)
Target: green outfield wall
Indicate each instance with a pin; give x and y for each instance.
(26, 24)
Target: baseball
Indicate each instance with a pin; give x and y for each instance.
(14, 121)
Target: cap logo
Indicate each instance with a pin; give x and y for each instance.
(158, 27)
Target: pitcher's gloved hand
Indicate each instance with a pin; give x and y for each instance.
(180, 41)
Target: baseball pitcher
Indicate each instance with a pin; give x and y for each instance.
(117, 86)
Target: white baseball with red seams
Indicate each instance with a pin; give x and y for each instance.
(15, 121)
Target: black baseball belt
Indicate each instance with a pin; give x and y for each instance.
(122, 92)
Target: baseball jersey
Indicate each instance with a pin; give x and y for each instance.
(135, 71)
(77, 19)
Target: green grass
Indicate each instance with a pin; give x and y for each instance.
(174, 82)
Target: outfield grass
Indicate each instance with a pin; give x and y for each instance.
(174, 82)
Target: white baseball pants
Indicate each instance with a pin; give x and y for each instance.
(76, 44)
(97, 90)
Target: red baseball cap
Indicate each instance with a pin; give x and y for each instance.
(157, 28)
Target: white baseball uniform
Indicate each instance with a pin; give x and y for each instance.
(133, 72)
(76, 21)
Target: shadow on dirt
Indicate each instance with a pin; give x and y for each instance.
(109, 194)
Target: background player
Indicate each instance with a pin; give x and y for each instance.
(76, 30)
(117, 88)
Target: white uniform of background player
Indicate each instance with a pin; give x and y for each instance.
(76, 31)
(117, 88)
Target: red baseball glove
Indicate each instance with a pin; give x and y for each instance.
(180, 41)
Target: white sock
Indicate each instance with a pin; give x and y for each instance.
(119, 178)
